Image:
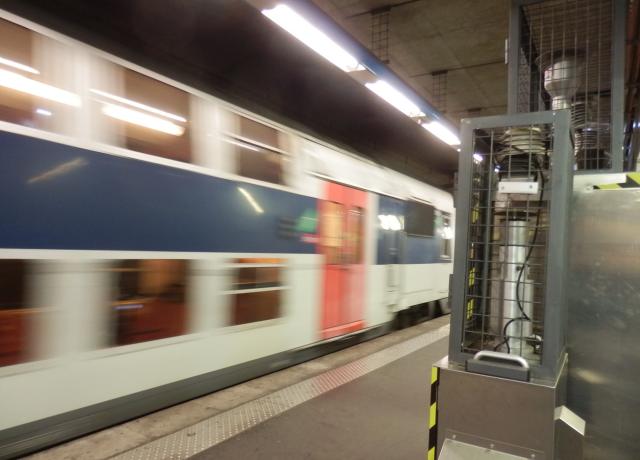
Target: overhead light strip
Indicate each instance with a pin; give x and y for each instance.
(311, 36)
(303, 30)
(394, 97)
(442, 132)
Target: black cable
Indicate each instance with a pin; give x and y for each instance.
(534, 238)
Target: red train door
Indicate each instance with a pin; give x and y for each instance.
(342, 221)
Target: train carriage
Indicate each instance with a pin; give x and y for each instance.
(158, 243)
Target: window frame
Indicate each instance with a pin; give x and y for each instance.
(111, 317)
(283, 136)
(233, 267)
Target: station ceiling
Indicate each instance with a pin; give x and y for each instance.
(228, 48)
(451, 52)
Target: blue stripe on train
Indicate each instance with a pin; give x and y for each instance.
(54, 196)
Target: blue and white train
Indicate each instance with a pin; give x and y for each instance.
(158, 244)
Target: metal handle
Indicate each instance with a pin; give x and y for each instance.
(498, 356)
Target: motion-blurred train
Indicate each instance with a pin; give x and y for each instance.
(158, 244)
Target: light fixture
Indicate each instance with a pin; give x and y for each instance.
(254, 204)
(477, 158)
(311, 36)
(26, 85)
(19, 66)
(44, 112)
(244, 145)
(139, 105)
(442, 132)
(394, 97)
(142, 119)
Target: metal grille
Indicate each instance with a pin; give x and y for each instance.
(565, 62)
(508, 239)
(439, 89)
(380, 33)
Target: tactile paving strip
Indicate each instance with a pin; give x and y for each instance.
(203, 435)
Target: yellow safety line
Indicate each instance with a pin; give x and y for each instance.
(609, 187)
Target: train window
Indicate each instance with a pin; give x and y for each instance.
(333, 221)
(257, 290)
(150, 300)
(356, 235)
(259, 133)
(258, 151)
(146, 115)
(419, 219)
(15, 315)
(35, 80)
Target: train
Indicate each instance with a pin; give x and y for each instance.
(159, 243)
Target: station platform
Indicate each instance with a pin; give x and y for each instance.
(368, 401)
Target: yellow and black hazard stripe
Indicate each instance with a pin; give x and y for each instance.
(433, 414)
(632, 181)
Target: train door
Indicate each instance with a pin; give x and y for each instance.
(342, 217)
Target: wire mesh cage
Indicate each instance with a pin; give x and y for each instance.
(515, 177)
(510, 189)
(568, 56)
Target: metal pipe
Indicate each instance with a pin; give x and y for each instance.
(516, 314)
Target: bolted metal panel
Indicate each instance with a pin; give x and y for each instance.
(570, 54)
(513, 200)
(498, 414)
(604, 314)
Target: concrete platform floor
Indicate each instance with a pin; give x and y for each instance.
(382, 414)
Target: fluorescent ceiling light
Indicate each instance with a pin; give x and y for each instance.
(311, 36)
(254, 204)
(138, 105)
(45, 112)
(19, 66)
(477, 157)
(395, 98)
(442, 132)
(142, 119)
(26, 85)
(242, 144)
